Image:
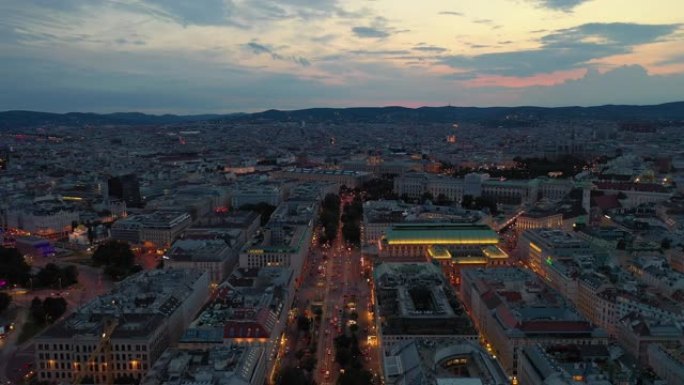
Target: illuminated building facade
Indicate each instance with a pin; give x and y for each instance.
(540, 247)
(538, 220)
(414, 185)
(285, 240)
(571, 365)
(375, 164)
(250, 309)
(266, 250)
(512, 308)
(418, 241)
(454, 245)
(347, 178)
(150, 311)
(47, 219)
(159, 227)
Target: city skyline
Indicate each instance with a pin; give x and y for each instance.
(231, 56)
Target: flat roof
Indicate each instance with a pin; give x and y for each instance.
(321, 171)
(441, 234)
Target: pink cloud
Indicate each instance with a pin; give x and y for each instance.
(548, 79)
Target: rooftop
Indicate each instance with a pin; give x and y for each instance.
(319, 171)
(414, 298)
(198, 250)
(524, 305)
(554, 238)
(141, 303)
(230, 364)
(441, 361)
(441, 233)
(643, 187)
(576, 364)
(247, 305)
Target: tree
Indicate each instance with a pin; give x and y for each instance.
(13, 267)
(54, 276)
(467, 201)
(5, 301)
(354, 376)
(351, 222)
(54, 308)
(665, 244)
(303, 323)
(117, 258)
(48, 276)
(346, 350)
(70, 274)
(343, 356)
(351, 231)
(379, 188)
(443, 200)
(113, 253)
(308, 363)
(290, 375)
(331, 202)
(427, 196)
(330, 216)
(318, 312)
(263, 208)
(484, 202)
(91, 232)
(37, 311)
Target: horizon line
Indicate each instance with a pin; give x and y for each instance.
(331, 108)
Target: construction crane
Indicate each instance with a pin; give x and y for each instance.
(104, 348)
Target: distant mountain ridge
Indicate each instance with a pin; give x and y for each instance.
(515, 115)
(667, 111)
(22, 119)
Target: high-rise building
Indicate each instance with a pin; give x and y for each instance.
(125, 188)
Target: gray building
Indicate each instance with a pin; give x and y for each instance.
(121, 334)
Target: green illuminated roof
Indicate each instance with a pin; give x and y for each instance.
(441, 234)
(439, 252)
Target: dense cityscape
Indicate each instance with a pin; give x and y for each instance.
(341, 192)
(255, 251)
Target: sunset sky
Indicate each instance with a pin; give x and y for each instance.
(198, 56)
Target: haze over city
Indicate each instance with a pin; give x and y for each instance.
(176, 56)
